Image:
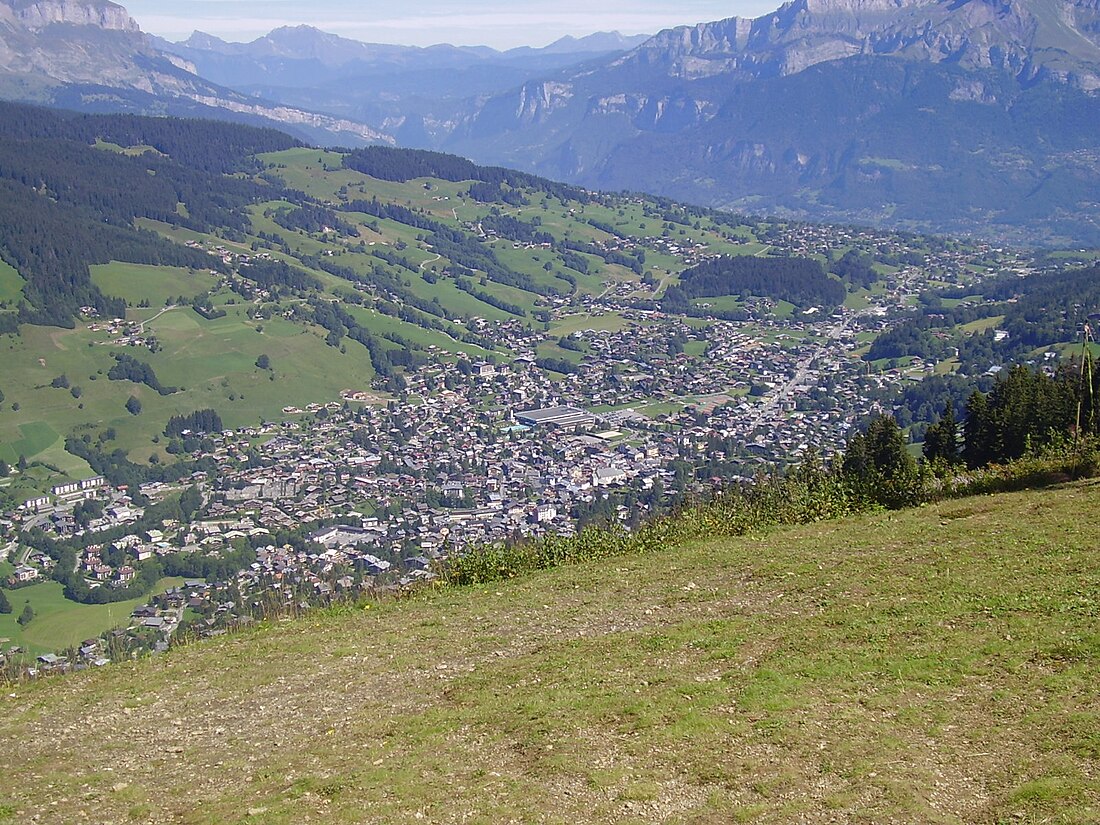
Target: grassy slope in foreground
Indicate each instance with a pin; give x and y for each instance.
(933, 665)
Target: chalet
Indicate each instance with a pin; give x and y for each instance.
(24, 573)
(125, 575)
(545, 513)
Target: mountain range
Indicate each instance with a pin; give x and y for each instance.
(419, 95)
(961, 116)
(91, 55)
(968, 116)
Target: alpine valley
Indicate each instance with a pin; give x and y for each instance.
(375, 448)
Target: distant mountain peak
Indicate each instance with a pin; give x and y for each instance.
(92, 51)
(204, 41)
(596, 42)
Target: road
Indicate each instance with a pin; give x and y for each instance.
(141, 326)
(9, 548)
(782, 393)
(661, 286)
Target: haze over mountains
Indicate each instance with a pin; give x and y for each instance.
(91, 55)
(965, 116)
(417, 94)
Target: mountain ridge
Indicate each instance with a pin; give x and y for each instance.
(91, 54)
(979, 34)
(37, 14)
(732, 98)
(1020, 79)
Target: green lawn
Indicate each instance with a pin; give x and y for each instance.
(858, 299)
(132, 151)
(59, 623)
(784, 309)
(607, 322)
(659, 408)
(982, 324)
(548, 349)
(721, 303)
(36, 437)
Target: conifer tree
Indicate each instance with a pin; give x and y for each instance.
(941, 441)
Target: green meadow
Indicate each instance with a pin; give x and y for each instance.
(59, 623)
(156, 285)
(11, 283)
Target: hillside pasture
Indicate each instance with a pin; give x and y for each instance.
(156, 285)
(11, 283)
(932, 665)
(59, 623)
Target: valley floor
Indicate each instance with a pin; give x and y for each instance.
(933, 665)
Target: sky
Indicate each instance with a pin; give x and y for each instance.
(501, 24)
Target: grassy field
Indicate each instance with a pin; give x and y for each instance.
(213, 360)
(132, 151)
(383, 324)
(722, 303)
(931, 666)
(857, 300)
(156, 284)
(59, 623)
(11, 283)
(608, 321)
(981, 325)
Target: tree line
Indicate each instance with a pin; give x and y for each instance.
(65, 205)
(403, 165)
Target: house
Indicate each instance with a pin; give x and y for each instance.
(485, 369)
(606, 476)
(545, 513)
(126, 575)
(24, 573)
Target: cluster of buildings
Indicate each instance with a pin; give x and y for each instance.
(350, 495)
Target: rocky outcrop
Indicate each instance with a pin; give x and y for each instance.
(1008, 35)
(37, 14)
(918, 113)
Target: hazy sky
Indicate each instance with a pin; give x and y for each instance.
(497, 23)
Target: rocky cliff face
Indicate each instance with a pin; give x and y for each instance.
(947, 114)
(37, 14)
(1023, 37)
